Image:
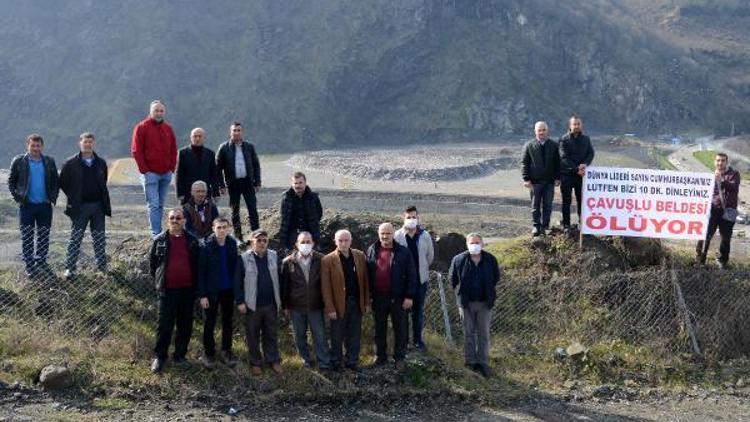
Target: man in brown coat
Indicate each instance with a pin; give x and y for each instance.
(346, 295)
(301, 298)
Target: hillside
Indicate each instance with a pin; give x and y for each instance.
(332, 73)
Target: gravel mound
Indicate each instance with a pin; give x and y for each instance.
(432, 164)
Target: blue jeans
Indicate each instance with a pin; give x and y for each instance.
(300, 322)
(417, 315)
(155, 187)
(542, 194)
(35, 221)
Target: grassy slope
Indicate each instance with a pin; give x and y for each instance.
(118, 365)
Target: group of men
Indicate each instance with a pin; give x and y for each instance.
(195, 257)
(546, 164)
(390, 280)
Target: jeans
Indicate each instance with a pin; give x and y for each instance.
(417, 315)
(155, 187)
(477, 333)
(175, 308)
(35, 222)
(300, 322)
(725, 230)
(225, 301)
(347, 330)
(382, 308)
(261, 326)
(568, 185)
(243, 188)
(542, 194)
(92, 215)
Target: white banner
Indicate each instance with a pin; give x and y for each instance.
(646, 203)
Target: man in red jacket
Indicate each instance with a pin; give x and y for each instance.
(154, 149)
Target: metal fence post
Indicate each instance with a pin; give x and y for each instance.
(444, 307)
(686, 315)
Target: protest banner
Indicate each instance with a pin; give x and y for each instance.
(646, 203)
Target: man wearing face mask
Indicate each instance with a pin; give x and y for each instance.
(474, 275)
(301, 297)
(419, 242)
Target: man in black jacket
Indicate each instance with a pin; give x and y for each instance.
(34, 184)
(173, 263)
(83, 179)
(300, 212)
(540, 170)
(239, 163)
(218, 262)
(196, 162)
(393, 283)
(576, 153)
(302, 299)
(474, 274)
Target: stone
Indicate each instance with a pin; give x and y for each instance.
(54, 377)
(576, 350)
(741, 383)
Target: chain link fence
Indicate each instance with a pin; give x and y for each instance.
(86, 286)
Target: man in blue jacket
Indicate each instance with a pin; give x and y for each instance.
(393, 283)
(34, 185)
(218, 261)
(474, 274)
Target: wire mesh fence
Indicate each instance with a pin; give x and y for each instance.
(86, 286)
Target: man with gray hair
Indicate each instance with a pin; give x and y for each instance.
(346, 297)
(196, 162)
(154, 149)
(474, 275)
(199, 211)
(540, 171)
(393, 282)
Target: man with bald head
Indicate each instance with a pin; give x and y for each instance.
(196, 162)
(346, 296)
(540, 171)
(154, 149)
(393, 282)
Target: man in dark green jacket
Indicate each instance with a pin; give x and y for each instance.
(540, 170)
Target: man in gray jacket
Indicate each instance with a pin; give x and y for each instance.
(419, 242)
(258, 298)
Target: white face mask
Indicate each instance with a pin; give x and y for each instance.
(411, 223)
(305, 248)
(474, 248)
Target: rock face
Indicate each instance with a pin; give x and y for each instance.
(54, 377)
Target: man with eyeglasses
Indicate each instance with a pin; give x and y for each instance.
(173, 263)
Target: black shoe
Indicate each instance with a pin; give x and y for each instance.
(228, 358)
(720, 264)
(536, 231)
(420, 346)
(307, 364)
(183, 363)
(379, 361)
(352, 367)
(157, 366)
(484, 370)
(208, 362)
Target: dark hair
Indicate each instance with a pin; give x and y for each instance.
(35, 137)
(299, 175)
(222, 219)
(87, 135)
(411, 208)
(237, 124)
(258, 233)
(722, 154)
